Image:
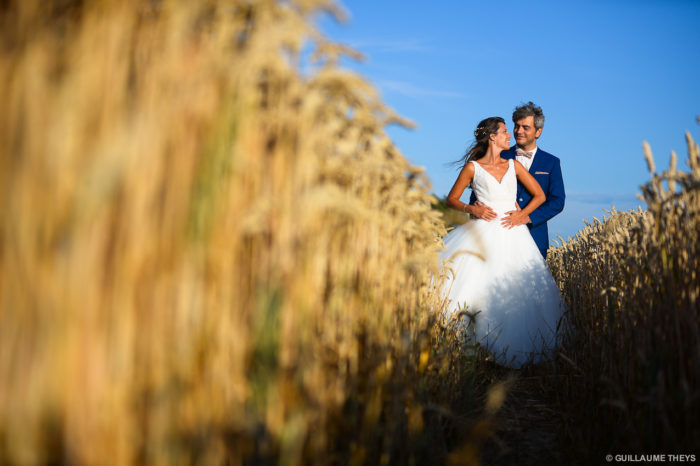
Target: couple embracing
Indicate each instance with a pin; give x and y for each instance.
(498, 259)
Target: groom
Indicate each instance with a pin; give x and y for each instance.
(543, 166)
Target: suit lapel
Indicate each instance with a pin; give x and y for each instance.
(508, 154)
(536, 162)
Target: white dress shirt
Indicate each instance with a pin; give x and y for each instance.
(527, 162)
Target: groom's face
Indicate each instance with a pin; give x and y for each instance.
(525, 133)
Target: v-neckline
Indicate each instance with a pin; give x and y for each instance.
(494, 178)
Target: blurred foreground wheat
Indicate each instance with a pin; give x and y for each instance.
(630, 361)
(204, 256)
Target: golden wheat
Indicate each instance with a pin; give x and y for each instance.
(205, 257)
(630, 364)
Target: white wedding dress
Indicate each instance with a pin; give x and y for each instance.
(501, 273)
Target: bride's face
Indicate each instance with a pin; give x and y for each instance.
(501, 139)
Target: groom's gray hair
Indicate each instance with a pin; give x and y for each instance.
(529, 109)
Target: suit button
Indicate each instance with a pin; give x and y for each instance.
(520, 200)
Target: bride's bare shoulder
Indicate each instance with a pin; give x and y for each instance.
(468, 169)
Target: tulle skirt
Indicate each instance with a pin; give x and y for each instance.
(501, 274)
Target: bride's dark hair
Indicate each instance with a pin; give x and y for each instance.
(484, 129)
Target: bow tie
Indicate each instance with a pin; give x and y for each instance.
(519, 151)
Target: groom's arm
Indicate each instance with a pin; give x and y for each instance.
(555, 198)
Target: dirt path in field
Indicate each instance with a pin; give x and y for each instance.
(526, 427)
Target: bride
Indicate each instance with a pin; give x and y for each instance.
(496, 267)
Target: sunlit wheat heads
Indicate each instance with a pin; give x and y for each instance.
(632, 333)
(207, 255)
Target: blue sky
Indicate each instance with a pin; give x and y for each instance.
(608, 75)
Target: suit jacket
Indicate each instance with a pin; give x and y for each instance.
(546, 169)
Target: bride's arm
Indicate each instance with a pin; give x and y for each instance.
(465, 177)
(520, 217)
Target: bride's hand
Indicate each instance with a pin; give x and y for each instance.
(514, 218)
(483, 211)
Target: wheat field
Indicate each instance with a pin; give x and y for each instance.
(628, 376)
(210, 251)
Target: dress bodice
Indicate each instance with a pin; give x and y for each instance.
(500, 196)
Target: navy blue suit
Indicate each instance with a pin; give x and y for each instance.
(546, 169)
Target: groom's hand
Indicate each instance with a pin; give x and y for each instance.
(483, 211)
(514, 218)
